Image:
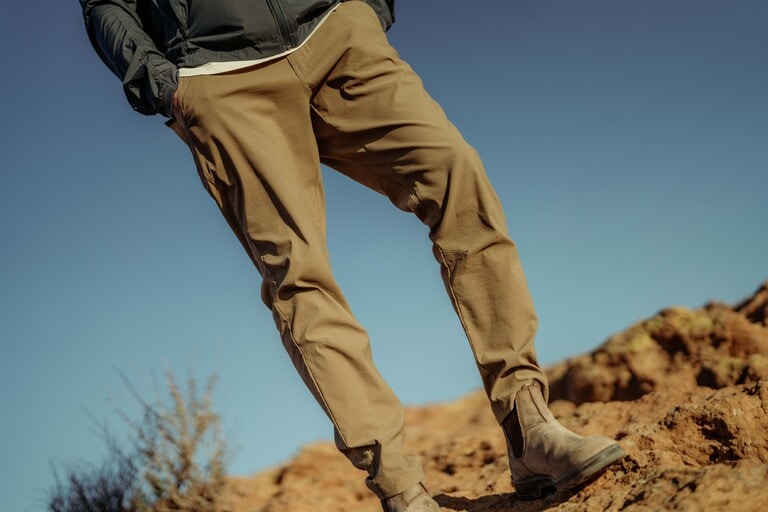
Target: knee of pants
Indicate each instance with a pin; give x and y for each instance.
(452, 170)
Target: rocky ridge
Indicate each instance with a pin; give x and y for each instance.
(685, 392)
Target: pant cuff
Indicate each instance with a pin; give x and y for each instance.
(384, 487)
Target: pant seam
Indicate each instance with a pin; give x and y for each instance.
(299, 75)
(454, 299)
(327, 408)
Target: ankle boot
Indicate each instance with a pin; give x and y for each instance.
(544, 456)
(413, 499)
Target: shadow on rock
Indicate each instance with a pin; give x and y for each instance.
(501, 502)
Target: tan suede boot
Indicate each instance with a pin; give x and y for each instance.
(413, 499)
(544, 456)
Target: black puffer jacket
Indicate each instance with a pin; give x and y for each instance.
(144, 42)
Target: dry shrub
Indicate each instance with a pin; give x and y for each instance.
(106, 488)
(177, 461)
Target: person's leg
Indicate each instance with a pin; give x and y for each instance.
(375, 123)
(253, 142)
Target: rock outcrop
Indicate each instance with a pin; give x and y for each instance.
(685, 392)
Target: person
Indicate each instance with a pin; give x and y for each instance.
(263, 92)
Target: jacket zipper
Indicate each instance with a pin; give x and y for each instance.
(279, 15)
(183, 21)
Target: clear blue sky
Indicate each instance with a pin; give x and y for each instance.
(627, 140)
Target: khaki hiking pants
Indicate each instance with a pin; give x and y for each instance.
(346, 99)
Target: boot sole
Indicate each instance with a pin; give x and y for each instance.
(538, 487)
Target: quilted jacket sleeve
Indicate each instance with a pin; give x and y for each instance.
(117, 33)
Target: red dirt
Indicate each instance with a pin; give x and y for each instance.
(685, 392)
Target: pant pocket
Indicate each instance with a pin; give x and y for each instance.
(178, 129)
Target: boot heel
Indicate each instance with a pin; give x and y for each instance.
(535, 488)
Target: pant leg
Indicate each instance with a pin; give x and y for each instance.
(252, 138)
(375, 123)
